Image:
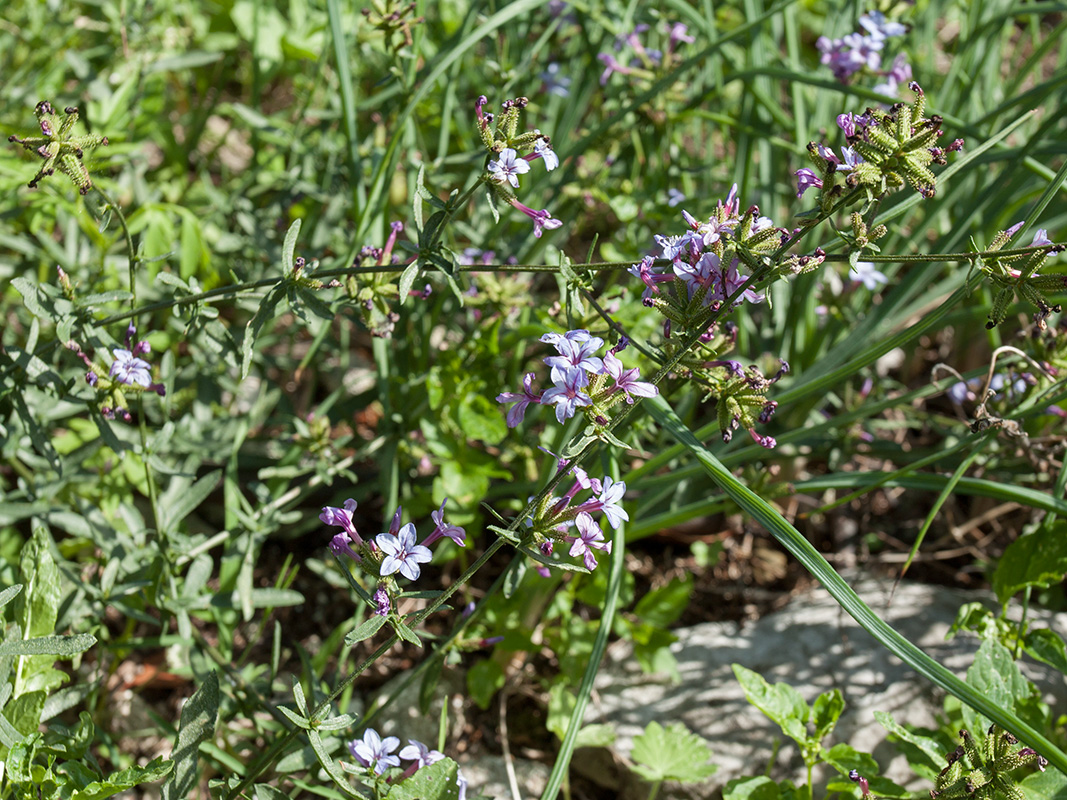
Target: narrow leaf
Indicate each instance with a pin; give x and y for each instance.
(197, 725)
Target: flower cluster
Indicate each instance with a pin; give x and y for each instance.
(581, 379)
(388, 553)
(634, 58)
(59, 148)
(502, 173)
(556, 520)
(376, 294)
(856, 51)
(127, 369)
(376, 755)
(1023, 280)
(885, 150)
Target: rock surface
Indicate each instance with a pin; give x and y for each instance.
(813, 645)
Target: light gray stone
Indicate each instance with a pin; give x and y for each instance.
(815, 646)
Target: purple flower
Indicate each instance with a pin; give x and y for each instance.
(443, 529)
(567, 394)
(864, 272)
(128, 369)
(543, 150)
(875, 23)
(574, 353)
(850, 54)
(401, 553)
(733, 280)
(701, 275)
(542, 219)
(420, 753)
(373, 751)
(610, 500)
(1040, 238)
(806, 179)
(674, 197)
(521, 401)
(626, 379)
(852, 159)
(382, 602)
(508, 168)
(589, 538)
(679, 33)
(959, 391)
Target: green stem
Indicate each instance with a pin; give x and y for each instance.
(132, 257)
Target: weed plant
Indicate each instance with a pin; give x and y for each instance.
(332, 338)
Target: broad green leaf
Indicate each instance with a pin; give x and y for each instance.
(289, 247)
(263, 791)
(995, 674)
(758, 788)
(483, 681)
(407, 280)
(1048, 646)
(1048, 785)
(845, 758)
(781, 702)
(181, 498)
(662, 606)
(434, 782)
(673, 753)
(825, 712)
(36, 608)
(197, 725)
(1037, 559)
(121, 781)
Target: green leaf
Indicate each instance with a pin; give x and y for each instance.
(181, 499)
(781, 702)
(481, 419)
(9, 594)
(483, 681)
(297, 719)
(1048, 646)
(758, 788)
(673, 753)
(64, 646)
(825, 712)
(845, 758)
(121, 781)
(1037, 559)
(365, 630)
(289, 247)
(328, 764)
(996, 676)
(925, 755)
(36, 608)
(660, 607)
(434, 782)
(407, 280)
(197, 725)
(263, 791)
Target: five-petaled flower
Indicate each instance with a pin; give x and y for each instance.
(508, 167)
(373, 751)
(401, 553)
(128, 369)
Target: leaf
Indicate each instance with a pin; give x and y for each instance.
(1038, 559)
(923, 753)
(63, 646)
(297, 719)
(996, 676)
(263, 791)
(438, 781)
(181, 499)
(781, 702)
(289, 247)
(825, 712)
(483, 681)
(407, 280)
(121, 781)
(1046, 645)
(197, 725)
(328, 764)
(673, 753)
(845, 758)
(660, 607)
(9, 594)
(759, 788)
(365, 630)
(36, 607)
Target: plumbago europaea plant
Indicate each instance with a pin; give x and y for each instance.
(698, 279)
